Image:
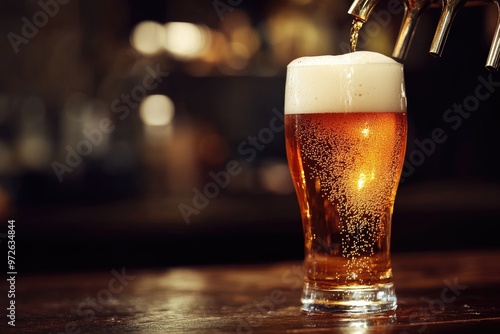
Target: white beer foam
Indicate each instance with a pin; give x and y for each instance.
(361, 81)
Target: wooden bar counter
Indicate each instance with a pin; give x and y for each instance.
(455, 292)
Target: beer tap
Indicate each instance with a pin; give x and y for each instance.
(413, 9)
(361, 10)
(450, 10)
(493, 60)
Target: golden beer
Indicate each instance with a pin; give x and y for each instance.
(345, 148)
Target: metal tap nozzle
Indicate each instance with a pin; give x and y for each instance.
(413, 9)
(361, 9)
(493, 61)
(450, 9)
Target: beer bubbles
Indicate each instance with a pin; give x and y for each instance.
(346, 126)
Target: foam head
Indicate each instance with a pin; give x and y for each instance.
(361, 81)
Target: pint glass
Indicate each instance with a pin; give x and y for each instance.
(346, 127)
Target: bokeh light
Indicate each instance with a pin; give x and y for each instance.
(184, 40)
(275, 177)
(34, 151)
(148, 37)
(157, 110)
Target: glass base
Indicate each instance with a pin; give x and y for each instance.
(348, 299)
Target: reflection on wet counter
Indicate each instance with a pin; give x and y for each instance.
(438, 292)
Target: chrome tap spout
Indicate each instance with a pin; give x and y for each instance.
(450, 10)
(413, 9)
(361, 9)
(493, 61)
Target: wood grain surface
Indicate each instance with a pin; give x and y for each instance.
(437, 293)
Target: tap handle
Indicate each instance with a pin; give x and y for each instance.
(493, 61)
(450, 9)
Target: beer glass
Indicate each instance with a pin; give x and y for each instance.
(346, 128)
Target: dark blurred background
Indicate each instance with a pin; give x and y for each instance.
(147, 133)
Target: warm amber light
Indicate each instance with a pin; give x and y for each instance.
(275, 178)
(157, 110)
(147, 37)
(186, 40)
(365, 132)
(361, 181)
